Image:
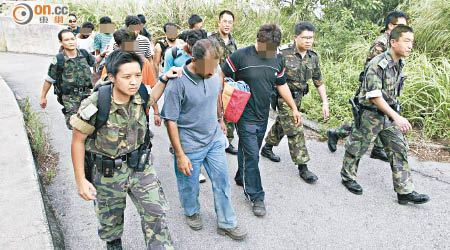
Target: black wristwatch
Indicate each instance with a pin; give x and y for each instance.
(162, 80)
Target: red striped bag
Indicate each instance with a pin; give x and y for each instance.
(235, 96)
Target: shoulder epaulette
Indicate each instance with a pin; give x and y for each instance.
(284, 46)
(383, 63)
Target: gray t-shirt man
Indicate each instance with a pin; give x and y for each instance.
(191, 102)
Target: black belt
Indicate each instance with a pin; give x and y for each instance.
(76, 90)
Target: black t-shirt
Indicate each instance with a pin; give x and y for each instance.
(260, 74)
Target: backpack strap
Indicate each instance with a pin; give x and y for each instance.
(87, 56)
(174, 50)
(58, 81)
(144, 95)
(103, 105)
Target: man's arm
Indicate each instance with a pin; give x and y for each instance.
(183, 163)
(86, 190)
(285, 93)
(45, 90)
(401, 122)
(220, 113)
(156, 114)
(158, 89)
(323, 95)
(157, 58)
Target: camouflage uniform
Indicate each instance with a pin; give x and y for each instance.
(124, 133)
(76, 74)
(380, 45)
(228, 49)
(298, 71)
(382, 79)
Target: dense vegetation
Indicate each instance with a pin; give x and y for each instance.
(346, 29)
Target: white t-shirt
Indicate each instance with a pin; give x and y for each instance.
(87, 44)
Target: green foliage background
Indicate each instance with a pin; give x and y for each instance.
(345, 31)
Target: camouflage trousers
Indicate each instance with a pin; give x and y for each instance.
(71, 106)
(395, 145)
(284, 125)
(147, 195)
(230, 130)
(344, 131)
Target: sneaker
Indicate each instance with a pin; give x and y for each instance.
(201, 178)
(236, 233)
(194, 221)
(259, 209)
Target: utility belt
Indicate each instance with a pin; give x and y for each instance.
(135, 159)
(81, 91)
(396, 107)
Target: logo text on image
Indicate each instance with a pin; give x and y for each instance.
(38, 12)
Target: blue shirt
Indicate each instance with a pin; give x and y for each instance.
(179, 61)
(191, 102)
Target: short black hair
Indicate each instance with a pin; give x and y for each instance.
(142, 18)
(105, 20)
(193, 20)
(88, 25)
(123, 35)
(167, 25)
(206, 45)
(119, 57)
(71, 14)
(60, 33)
(269, 33)
(223, 12)
(301, 26)
(192, 36)
(132, 20)
(392, 18)
(397, 32)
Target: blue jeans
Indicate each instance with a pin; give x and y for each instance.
(215, 161)
(251, 136)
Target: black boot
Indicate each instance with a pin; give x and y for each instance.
(378, 153)
(114, 245)
(332, 139)
(413, 197)
(306, 175)
(353, 187)
(267, 152)
(231, 150)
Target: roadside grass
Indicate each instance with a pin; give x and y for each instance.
(46, 158)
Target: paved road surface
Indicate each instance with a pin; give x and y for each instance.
(299, 216)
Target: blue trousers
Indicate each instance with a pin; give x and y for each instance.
(215, 161)
(251, 136)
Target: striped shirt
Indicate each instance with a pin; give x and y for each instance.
(145, 49)
(101, 40)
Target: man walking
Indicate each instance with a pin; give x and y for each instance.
(302, 64)
(380, 45)
(70, 73)
(195, 125)
(228, 44)
(380, 116)
(260, 67)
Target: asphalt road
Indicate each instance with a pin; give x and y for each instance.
(299, 215)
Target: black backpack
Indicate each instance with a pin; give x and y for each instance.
(104, 106)
(59, 71)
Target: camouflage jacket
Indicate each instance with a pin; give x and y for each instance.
(380, 45)
(227, 49)
(124, 131)
(384, 78)
(299, 70)
(76, 71)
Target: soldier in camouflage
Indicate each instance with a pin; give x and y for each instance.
(302, 64)
(76, 81)
(378, 98)
(228, 45)
(117, 141)
(380, 45)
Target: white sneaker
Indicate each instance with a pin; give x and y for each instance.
(201, 178)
